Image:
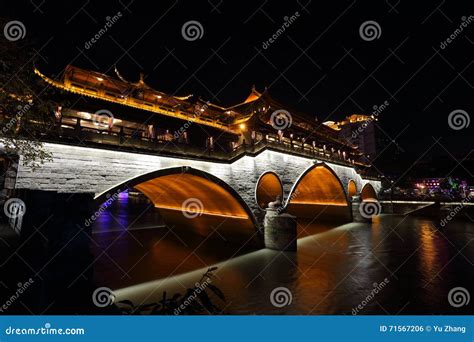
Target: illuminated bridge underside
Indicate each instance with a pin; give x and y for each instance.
(368, 192)
(351, 189)
(268, 188)
(319, 194)
(197, 202)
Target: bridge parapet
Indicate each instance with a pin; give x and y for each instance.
(92, 170)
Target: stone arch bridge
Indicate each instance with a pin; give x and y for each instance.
(307, 186)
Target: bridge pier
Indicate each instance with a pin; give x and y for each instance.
(358, 212)
(280, 231)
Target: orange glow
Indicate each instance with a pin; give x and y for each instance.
(321, 203)
(213, 207)
(351, 188)
(135, 103)
(171, 191)
(319, 194)
(319, 186)
(368, 192)
(199, 212)
(268, 188)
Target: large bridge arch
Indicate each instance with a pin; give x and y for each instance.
(190, 197)
(318, 193)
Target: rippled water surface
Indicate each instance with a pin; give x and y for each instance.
(412, 262)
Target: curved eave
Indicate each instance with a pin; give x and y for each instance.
(138, 105)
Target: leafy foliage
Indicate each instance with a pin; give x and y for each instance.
(26, 103)
(195, 301)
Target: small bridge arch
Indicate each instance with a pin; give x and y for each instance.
(368, 192)
(351, 188)
(268, 188)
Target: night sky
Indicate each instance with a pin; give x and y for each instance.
(320, 64)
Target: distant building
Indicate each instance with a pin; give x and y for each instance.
(430, 184)
(359, 130)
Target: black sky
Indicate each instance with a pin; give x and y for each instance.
(320, 64)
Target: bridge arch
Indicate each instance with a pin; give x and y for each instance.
(319, 193)
(368, 192)
(268, 187)
(187, 196)
(351, 188)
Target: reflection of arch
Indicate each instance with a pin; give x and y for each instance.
(351, 189)
(368, 192)
(268, 187)
(190, 197)
(318, 192)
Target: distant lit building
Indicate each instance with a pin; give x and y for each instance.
(429, 184)
(358, 130)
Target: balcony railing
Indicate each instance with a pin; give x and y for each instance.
(166, 145)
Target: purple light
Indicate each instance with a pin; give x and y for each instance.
(123, 195)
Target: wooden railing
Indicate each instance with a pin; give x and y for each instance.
(131, 143)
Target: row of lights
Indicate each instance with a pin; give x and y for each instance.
(100, 79)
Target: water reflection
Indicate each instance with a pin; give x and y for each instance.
(334, 270)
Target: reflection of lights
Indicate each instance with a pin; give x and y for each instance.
(165, 207)
(316, 202)
(123, 195)
(100, 79)
(85, 115)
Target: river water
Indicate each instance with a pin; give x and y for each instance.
(412, 262)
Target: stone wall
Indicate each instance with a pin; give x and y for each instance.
(90, 170)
